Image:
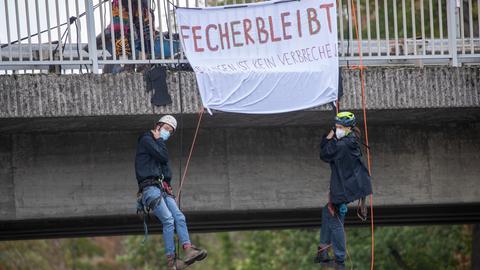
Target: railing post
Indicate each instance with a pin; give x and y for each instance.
(92, 42)
(452, 17)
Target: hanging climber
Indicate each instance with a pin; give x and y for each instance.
(349, 181)
(154, 177)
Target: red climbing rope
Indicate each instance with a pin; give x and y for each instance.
(200, 116)
(361, 68)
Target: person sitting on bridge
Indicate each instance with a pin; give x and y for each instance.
(349, 181)
(154, 176)
(140, 21)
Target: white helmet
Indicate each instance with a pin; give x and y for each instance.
(168, 119)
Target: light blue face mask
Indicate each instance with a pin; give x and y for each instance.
(164, 134)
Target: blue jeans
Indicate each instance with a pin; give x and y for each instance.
(171, 217)
(332, 232)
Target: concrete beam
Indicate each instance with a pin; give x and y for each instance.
(90, 174)
(67, 148)
(34, 96)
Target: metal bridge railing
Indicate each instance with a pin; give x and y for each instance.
(411, 31)
(72, 36)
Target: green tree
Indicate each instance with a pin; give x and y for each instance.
(49, 254)
(411, 248)
(143, 255)
(422, 247)
(151, 254)
(278, 250)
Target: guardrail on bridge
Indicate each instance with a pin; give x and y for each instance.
(75, 36)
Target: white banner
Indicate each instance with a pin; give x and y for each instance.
(263, 58)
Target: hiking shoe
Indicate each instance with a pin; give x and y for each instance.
(339, 265)
(171, 263)
(322, 256)
(194, 254)
(175, 264)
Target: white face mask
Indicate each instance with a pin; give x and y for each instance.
(340, 133)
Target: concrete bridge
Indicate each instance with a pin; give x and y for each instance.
(67, 145)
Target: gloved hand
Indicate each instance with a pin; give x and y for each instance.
(342, 209)
(167, 188)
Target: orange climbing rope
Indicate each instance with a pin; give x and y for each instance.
(200, 116)
(361, 68)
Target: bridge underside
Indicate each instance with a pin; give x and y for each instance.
(80, 183)
(67, 169)
(412, 116)
(201, 222)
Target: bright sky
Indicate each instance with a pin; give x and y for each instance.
(59, 12)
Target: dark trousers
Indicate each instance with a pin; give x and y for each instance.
(332, 233)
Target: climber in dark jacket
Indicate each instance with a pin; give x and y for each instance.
(154, 178)
(151, 162)
(349, 181)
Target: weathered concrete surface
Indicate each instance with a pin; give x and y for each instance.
(67, 145)
(125, 94)
(51, 103)
(90, 175)
(7, 194)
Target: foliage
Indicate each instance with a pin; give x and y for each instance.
(143, 255)
(48, 254)
(411, 248)
(423, 247)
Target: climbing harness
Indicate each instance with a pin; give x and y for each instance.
(143, 211)
(362, 212)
